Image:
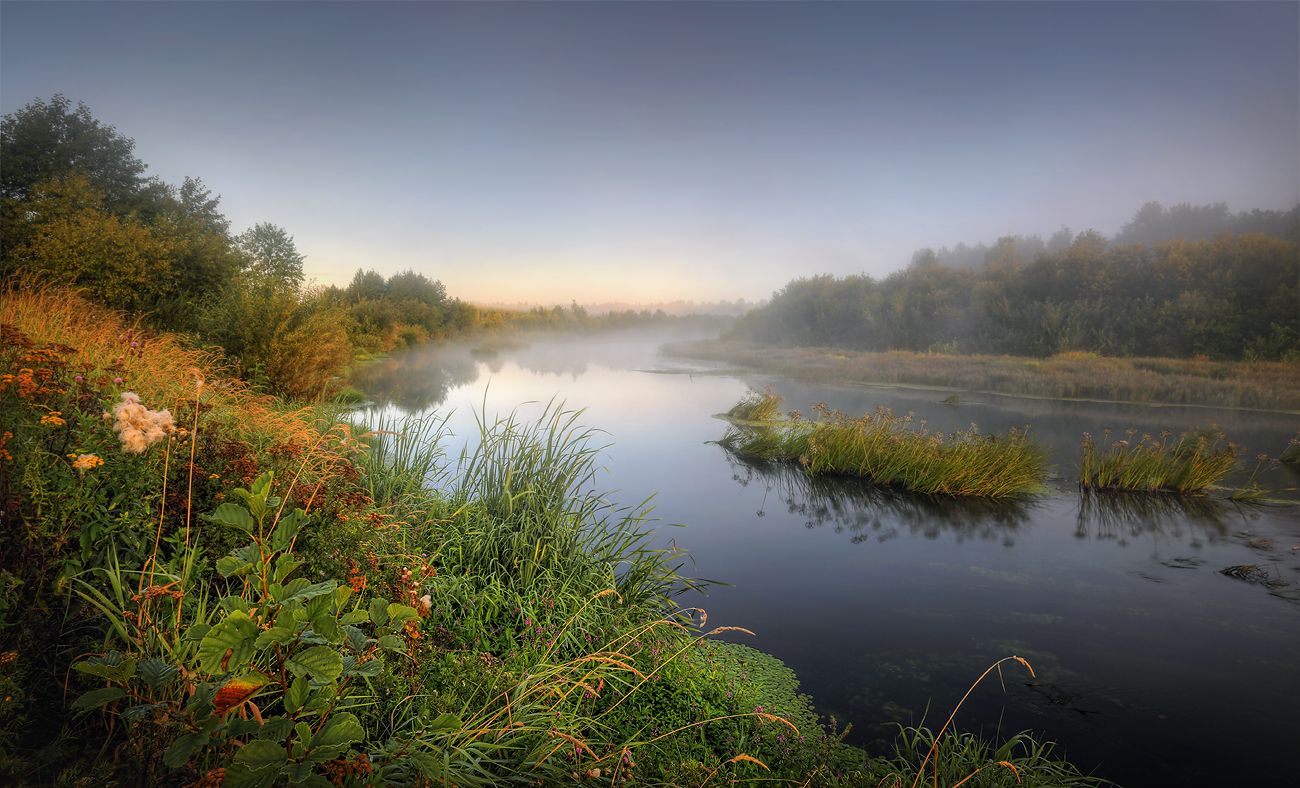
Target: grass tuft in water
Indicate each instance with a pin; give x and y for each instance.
(757, 407)
(893, 450)
(1190, 464)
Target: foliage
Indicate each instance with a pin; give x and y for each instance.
(888, 450)
(1188, 465)
(271, 255)
(1229, 297)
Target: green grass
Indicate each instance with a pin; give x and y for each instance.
(756, 406)
(1190, 464)
(892, 450)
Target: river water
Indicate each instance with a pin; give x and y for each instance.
(1152, 667)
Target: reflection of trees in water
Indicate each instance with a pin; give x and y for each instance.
(1123, 516)
(867, 510)
(417, 379)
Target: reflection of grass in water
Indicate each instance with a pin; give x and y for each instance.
(1122, 515)
(889, 450)
(863, 507)
(1190, 464)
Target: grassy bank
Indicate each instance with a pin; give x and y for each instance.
(1267, 385)
(887, 450)
(200, 585)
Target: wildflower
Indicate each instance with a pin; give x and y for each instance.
(79, 378)
(86, 462)
(426, 602)
(118, 381)
(138, 427)
(54, 418)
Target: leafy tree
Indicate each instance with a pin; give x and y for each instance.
(51, 139)
(272, 254)
(70, 236)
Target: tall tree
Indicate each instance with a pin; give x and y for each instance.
(272, 254)
(52, 139)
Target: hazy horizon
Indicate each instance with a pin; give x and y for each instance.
(657, 152)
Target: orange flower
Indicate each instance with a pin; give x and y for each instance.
(85, 462)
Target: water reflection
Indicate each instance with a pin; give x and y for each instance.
(1121, 517)
(868, 511)
(417, 379)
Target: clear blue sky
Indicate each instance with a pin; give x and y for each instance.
(544, 152)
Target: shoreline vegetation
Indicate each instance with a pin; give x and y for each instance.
(1249, 385)
(886, 449)
(207, 585)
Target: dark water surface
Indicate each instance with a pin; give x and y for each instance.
(1153, 668)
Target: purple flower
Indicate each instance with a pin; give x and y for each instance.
(135, 344)
(118, 381)
(78, 378)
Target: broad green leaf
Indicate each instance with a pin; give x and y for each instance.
(296, 696)
(327, 627)
(274, 635)
(400, 614)
(322, 663)
(444, 722)
(355, 616)
(156, 673)
(341, 729)
(235, 636)
(232, 603)
(379, 612)
(235, 516)
(185, 746)
(262, 484)
(357, 639)
(392, 643)
(368, 669)
(304, 735)
(196, 632)
(111, 666)
(261, 754)
(341, 595)
(310, 591)
(231, 566)
(98, 697)
(287, 528)
(284, 566)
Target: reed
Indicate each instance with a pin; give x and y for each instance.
(893, 450)
(1191, 464)
(757, 407)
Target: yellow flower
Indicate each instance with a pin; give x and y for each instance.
(86, 462)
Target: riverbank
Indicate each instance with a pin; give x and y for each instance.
(208, 585)
(1262, 385)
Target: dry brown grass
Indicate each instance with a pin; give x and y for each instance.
(1264, 385)
(106, 345)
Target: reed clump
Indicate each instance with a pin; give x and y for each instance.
(894, 450)
(756, 406)
(1190, 464)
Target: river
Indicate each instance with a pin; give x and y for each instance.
(1152, 667)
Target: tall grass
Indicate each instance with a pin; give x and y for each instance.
(891, 450)
(757, 406)
(1190, 464)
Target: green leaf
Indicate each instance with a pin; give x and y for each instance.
(357, 639)
(341, 595)
(111, 666)
(156, 673)
(355, 616)
(287, 528)
(231, 566)
(400, 614)
(261, 754)
(322, 663)
(444, 722)
(379, 611)
(185, 746)
(304, 735)
(284, 566)
(274, 635)
(262, 484)
(392, 643)
(235, 516)
(235, 634)
(311, 591)
(196, 632)
(296, 696)
(98, 697)
(232, 603)
(341, 729)
(368, 669)
(327, 627)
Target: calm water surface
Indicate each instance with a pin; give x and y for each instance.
(1152, 667)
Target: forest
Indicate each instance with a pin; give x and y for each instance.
(1141, 293)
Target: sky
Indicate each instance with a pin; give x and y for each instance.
(551, 152)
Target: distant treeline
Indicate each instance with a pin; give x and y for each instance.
(1233, 296)
(1152, 224)
(76, 208)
